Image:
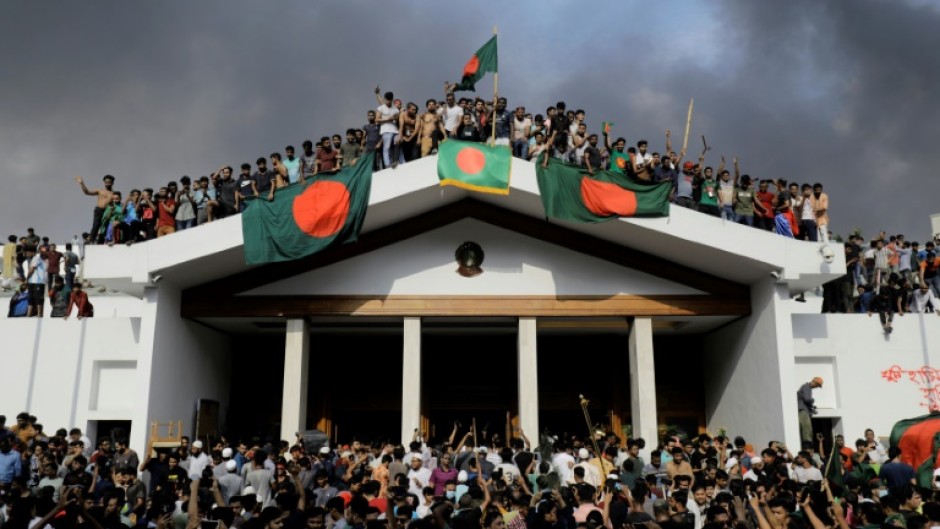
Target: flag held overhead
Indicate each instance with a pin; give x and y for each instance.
(484, 60)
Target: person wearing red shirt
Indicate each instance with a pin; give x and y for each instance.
(79, 299)
(764, 207)
(166, 210)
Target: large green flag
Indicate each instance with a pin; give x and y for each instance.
(474, 166)
(484, 60)
(302, 220)
(570, 193)
(919, 439)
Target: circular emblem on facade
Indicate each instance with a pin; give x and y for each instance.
(469, 257)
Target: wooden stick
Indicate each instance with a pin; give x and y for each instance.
(688, 125)
(495, 92)
(474, 427)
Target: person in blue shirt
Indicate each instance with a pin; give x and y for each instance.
(11, 464)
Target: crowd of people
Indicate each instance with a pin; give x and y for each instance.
(32, 266)
(889, 276)
(398, 133)
(570, 482)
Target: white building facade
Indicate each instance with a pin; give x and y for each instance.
(686, 320)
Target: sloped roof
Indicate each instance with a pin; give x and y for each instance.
(708, 244)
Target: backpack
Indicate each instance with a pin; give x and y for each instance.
(18, 306)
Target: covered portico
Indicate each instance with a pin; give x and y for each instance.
(538, 280)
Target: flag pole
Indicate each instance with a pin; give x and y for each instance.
(495, 92)
(688, 125)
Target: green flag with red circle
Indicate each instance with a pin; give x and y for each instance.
(305, 219)
(918, 439)
(474, 166)
(570, 193)
(484, 60)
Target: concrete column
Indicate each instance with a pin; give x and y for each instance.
(528, 384)
(296, 371)
(411, 379)
(643, 382)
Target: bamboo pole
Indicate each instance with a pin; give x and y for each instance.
(495, 93)
(688, 125)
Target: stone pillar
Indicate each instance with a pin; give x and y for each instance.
(296, 371)
(643, 383)
(528, 383)
(411, 379)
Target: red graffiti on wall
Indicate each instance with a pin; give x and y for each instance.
(928, 378)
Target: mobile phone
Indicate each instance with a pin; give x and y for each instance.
(208, 524)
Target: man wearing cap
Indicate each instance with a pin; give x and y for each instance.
(757, 469)
(592, 475)
(684, 186)
(418, 476)
(197, 460)
(807, 408)
(219, 469)
(230, 484)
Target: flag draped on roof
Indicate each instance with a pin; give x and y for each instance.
(484, 60)
(570, 193)
(303, 220)
(474, 166)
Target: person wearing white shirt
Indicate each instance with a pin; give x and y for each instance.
(876, 451)
(451, 113)
(387, 118)
(418, 476)
(921, 297)
(197, 460)
(563, 463)
(803, 469)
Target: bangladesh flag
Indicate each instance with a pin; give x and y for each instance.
(834, 467)
(484, 60)
(919, 440)
(570, 193)
(474, 166)
(302, 220)
(619, 161)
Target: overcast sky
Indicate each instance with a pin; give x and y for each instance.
(831, 92)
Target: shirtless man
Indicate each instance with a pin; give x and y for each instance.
(281, 178)
(407, 124)
(104, 198)
(427, 124)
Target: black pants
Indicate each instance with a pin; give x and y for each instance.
(686, 202)
(764, 223)
(408, 149)
(808, 230)
(96, 226)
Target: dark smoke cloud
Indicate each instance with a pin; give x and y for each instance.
(836, 92)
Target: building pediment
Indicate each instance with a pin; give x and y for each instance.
(515, 264)
(531, 267)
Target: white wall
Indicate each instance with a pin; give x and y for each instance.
(513, 264)
(853, 355)
(67, 373)
(186, 362)
(749, 373)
